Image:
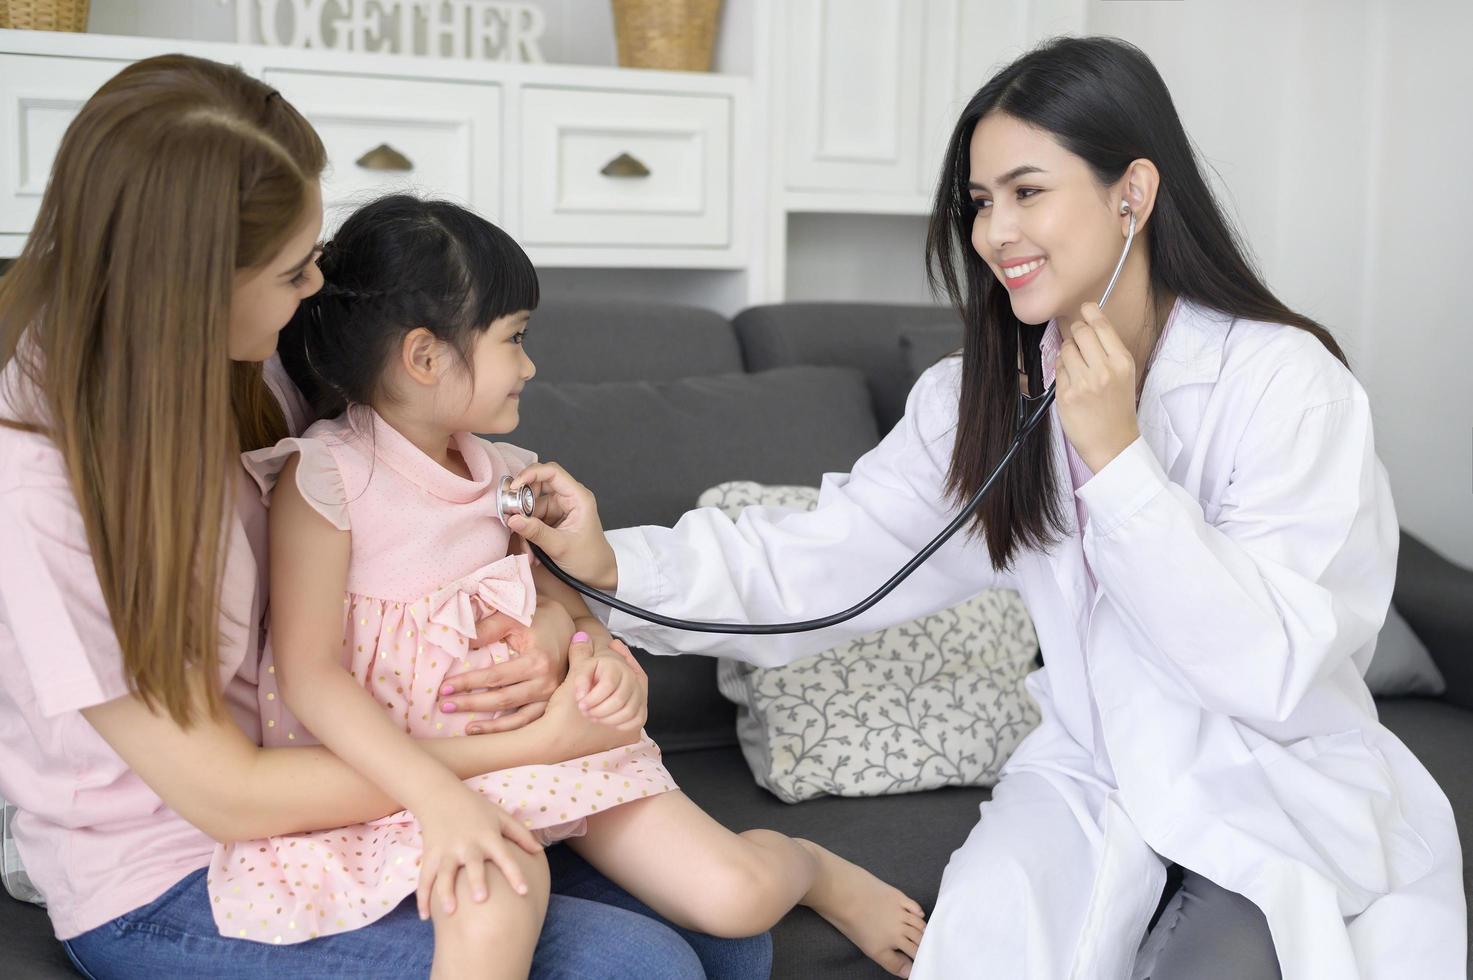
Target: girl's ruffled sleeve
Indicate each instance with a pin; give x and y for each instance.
(319, 479)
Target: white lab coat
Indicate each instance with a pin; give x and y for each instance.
(1205, 707)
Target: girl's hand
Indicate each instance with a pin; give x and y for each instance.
(462, 832)
(610, 691)
(567, 526)
(522, 685)
(576, 733)
(1096, 390)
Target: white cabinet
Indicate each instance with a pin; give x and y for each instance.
(587, 167)
(428, 137)
(871, 90)
(625, 168)
(39, 97)
(854, 95)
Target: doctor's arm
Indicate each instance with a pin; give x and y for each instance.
(1292, 575)
(779, 566)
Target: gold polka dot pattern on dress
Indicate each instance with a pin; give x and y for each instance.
(332, 882)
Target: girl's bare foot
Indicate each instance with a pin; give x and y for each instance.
(879, 919)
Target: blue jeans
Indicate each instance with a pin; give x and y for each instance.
(594, 930)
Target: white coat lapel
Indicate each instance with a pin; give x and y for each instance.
(1068, 675)
(1191, 354)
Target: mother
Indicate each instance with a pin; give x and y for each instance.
(174, 241)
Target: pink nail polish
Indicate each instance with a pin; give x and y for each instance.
(448, 689)
(448, 707)
(580, 637)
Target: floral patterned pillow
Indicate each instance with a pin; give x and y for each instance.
(934, 702)
(12, 873)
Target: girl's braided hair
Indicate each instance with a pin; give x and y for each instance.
(397, 264)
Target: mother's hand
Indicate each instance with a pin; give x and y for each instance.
(573, 732)
(567, 527)
(521, 686)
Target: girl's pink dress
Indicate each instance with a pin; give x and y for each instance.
(429, 559)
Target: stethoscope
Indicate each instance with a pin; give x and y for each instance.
(522, 501)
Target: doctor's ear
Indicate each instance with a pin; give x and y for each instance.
(1136, 192)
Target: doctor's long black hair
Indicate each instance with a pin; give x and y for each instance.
(1104, 101)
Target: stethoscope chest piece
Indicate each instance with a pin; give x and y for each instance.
(510, 503)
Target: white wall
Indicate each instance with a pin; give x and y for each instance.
(1341, 129)
(1416, 220)
(1272, 94)
(857, 258)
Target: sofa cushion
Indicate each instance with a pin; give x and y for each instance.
(1432, 594)
(686, 709)
(938, 701)
(647, 450)
(28, 946)
(1401, 665)
(624, 340)
(13, 872)
(923, 344)
(857, 335)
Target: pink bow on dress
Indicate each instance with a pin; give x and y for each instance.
(503, 586)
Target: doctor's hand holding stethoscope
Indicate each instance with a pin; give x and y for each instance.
(567, 526)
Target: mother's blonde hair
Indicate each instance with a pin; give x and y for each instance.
(175, 175)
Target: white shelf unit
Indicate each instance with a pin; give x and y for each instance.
(525, 145)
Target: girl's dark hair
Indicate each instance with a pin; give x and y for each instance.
(1104, 101)
(396, 264)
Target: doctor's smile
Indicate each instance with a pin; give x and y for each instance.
(1020, 273)
(358, 541)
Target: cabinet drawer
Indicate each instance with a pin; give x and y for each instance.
(625, 169)
(40, 95)
(431, 138)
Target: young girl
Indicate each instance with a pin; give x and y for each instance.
(386, 548)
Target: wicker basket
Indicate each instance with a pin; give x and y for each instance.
(45, 15)
(675, 35)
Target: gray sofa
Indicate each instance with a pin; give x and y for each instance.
(651, 404)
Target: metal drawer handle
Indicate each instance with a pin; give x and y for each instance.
(625, 165)
(384, 157)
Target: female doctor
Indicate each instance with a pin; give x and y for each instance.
(1203, 536)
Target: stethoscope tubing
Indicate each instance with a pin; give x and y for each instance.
(1045, 401)
(809, 625)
